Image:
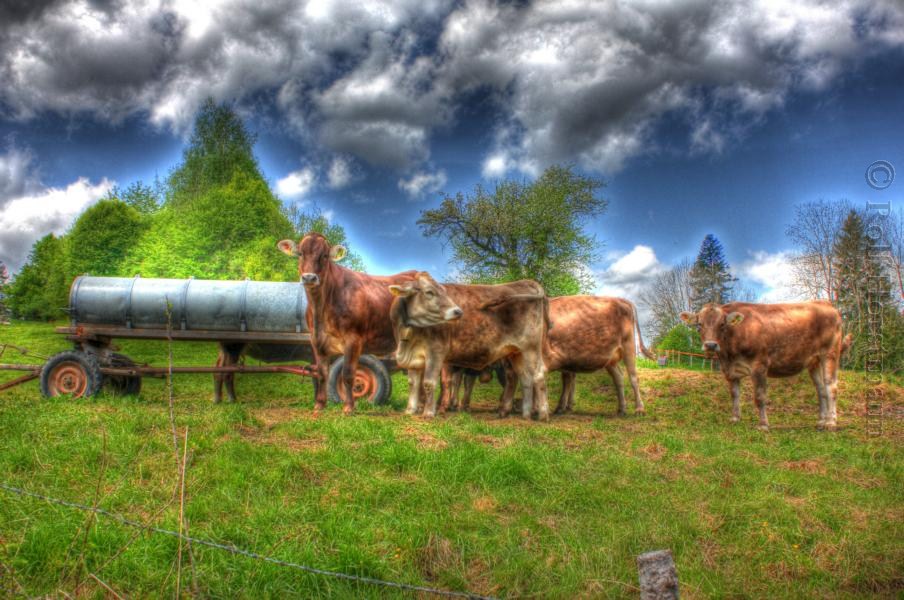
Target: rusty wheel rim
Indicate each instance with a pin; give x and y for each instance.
(363, 386)
(68, 378)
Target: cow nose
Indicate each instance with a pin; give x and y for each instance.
(711, 346)
(310, 279)
(454, 313)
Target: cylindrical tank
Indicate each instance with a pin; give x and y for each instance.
(198, 304)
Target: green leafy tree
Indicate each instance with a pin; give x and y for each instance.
(681, 338)
(710, 276)
(143, 198)
(220, 146)
(102, 236)
(227, 232)
(523, 231)
(40, 290)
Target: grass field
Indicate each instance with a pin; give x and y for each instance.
(467, 502)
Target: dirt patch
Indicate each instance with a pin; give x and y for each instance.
(425, 438)
(492, 440)
(271, 417)
(484, 504)
(438, 555)
(275, 438)
(654, 451)
(806, 466)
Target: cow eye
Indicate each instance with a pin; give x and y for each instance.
(429, 293)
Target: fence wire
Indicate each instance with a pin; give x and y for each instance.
(239, 551)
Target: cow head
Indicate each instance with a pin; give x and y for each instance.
(314, 256)
(713, 323)
(426, 302)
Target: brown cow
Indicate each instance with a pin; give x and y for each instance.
(471, 326)
(348, 312)
(233, 353)
(591, 333)
(774, 340)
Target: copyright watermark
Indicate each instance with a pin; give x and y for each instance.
(880, 174)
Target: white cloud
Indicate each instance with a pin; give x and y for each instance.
(495, 165)
(297, 183)
(422, 183)
(51, 210)
(629, 272)
(339, 174)
(773, 273)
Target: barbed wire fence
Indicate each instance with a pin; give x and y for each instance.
(240, 551)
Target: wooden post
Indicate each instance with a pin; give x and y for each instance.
(658, 576)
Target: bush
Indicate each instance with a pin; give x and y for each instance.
(681, 338)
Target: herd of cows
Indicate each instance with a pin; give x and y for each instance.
(437, 330)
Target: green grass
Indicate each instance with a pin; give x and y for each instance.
(501, 507)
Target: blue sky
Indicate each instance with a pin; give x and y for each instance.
(700, 118)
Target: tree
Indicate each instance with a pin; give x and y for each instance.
(220, 146)
(861, 283)
(522, 231)
(710, 276)
(146, 200)
(101, 238)
(40, 290)
(666, 297)
(814, 232)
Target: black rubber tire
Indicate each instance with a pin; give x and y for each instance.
(383, 382)
(83, 363)
(122, 385)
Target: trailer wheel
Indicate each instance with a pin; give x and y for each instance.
(73, 373)
(123, 385)
(372, 381)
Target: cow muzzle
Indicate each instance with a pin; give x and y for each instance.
(453, 313)
(310, 279)
(711, 346)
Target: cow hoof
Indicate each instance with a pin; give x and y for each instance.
(410, 411)
(503, 414)
(621, 413)
(544, 417)
(763, 427)
(830, 426)
(735, 419)
(429, 414)
(640, 412)
(347, 411)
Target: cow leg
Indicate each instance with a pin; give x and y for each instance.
(508, 392)
(432, 372)
(450, 379)
(735, 388)
(619, 382)
(347, 380)
(631, 368)
(564, 404)
(415, 379)
(761, 398)
(831, 381)
(470, 380)
(218, 377)
(827, 417)
(540, 396)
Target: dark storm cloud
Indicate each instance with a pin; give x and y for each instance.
(577, 81)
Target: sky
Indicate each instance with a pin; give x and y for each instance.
(701, 117)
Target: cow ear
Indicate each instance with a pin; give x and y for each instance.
(734, 318)
(401, 291)
(337, 253)
(688, 317)
(288, 247)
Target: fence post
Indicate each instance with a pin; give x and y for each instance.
(658, 576)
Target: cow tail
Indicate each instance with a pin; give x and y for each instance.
(643, 348)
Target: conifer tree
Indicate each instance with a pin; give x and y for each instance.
(710, 278)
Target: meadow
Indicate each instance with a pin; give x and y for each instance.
(500, 507)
